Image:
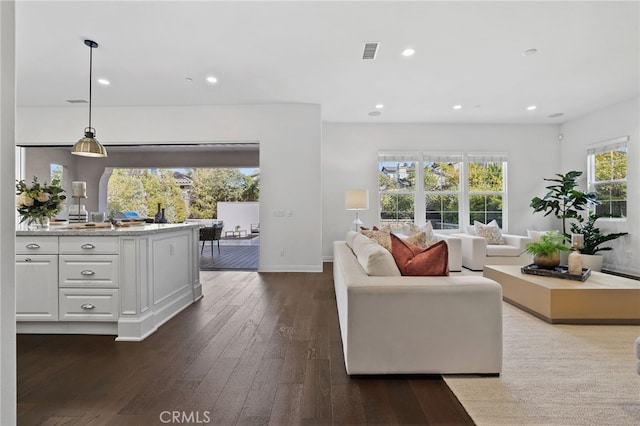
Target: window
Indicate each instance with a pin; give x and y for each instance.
(449, 189)
(486, 188)
(55, 172)
(442, 189)
(607, 176)
(397, 188)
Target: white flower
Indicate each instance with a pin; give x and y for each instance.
(43, 197)
(24, 200)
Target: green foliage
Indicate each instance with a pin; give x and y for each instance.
(485, 177)
(39, 201)
(549, 244)
(564, 200)
(593, 237)
(141, 191)
(213, 185)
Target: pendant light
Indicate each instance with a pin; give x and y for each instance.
(89, 146)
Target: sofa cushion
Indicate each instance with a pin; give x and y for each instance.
(349, 239)
(490, 232)
(418, 261)
(503, 250)
(374, 259)
(410, 228)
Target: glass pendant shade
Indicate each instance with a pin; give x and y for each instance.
(89, 146)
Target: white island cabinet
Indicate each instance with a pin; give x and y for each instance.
(123, 281)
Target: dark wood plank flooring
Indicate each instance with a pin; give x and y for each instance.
(258, 349)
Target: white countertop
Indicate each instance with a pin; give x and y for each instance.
(62, 230)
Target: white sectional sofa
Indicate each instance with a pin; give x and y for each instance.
(416, 325)
(476, 252)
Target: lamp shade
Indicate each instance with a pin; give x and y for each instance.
(356, 199)
(89, 147)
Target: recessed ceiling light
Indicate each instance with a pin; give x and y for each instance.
(529, 52)
(556, 115)
(379, 106)
(408, 52)
(457, 107)
(211, 79)
(104, 81)
(375, 113)
(476, 106)
(531, 107)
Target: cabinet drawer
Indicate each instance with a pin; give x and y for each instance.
(88, 271)
(36, 245)
(89, 245)
(91, 304)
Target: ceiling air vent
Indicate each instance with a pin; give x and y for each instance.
(76, 101)
(370, 50)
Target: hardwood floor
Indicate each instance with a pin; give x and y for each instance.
(258, 349)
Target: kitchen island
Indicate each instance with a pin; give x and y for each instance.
(125, 281)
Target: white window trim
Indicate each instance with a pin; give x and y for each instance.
(606, 146)
(463, 203)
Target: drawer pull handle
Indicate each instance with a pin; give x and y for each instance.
(88, 246)
(33, 246)
(87, 272)
(87, 306)
(27, 259)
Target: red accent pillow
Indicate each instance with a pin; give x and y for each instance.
(417, 261)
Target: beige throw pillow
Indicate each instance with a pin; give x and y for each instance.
(381, 236)
(430, 237)
(490, 232)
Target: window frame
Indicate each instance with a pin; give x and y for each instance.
(605, 147)
(419, 193)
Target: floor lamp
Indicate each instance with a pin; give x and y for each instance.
(356, 199)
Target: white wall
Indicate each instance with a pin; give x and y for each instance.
(290, 177)
(609, 123)
(7, 215)
(241, 214)
(349, 153)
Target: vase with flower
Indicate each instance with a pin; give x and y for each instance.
(39, 202)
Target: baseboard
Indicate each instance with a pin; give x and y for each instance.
(290, 268)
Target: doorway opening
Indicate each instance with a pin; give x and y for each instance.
(224, 200)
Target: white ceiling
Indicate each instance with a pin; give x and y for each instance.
(468, 53)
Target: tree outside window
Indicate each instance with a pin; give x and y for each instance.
(486, 189)
(397, 185)
(607, 166)
(442, 191)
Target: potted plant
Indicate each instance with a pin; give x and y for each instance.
(564, 200)
(546, 251)
(593, 240)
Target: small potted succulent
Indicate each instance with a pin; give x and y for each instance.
(546, 251)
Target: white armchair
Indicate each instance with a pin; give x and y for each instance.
(476, 252)
(454, 245)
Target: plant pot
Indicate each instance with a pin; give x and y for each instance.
(592, 261)
(547, 262)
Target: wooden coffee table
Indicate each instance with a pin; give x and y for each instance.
(601, 299)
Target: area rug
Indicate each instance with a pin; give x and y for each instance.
(556, 375)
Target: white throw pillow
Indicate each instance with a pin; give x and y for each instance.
(374, 259)
(535, 235)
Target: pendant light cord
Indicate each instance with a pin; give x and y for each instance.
(90, 81)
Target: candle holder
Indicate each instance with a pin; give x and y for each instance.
(78, 198)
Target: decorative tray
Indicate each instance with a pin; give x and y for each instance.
(558, 272)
